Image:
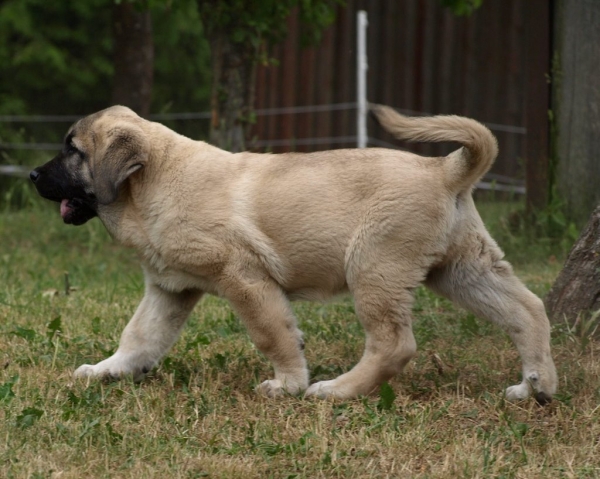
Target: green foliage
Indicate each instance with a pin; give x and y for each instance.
(181, 59)
(182, 76)
(54, 328)
(259, 21)
(386, 397)
(6, 392)
(27, 334)
(28, 417)
(57, 58)
(462, 7)
(552, 222)
(50, 62)
(526, 238)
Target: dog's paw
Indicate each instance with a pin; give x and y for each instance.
(518, 392)
(84, 371)
(116, 367)
(276, 388)
(325, 389)
(542, 385)
(535, 383)
(271, 388)
(91, 371)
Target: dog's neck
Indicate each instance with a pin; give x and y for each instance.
(145, 186)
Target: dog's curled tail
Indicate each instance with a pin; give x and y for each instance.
(464, 166)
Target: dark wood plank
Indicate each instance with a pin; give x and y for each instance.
(537, 21)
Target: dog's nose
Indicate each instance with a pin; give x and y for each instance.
(34, 175)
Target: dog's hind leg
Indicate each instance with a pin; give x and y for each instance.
(155, 326)
(268, 317)
(487, 287)
(383, 297)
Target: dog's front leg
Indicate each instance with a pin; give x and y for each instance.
(266, 313)
(153, 329)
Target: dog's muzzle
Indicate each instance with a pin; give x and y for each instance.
(76, 207)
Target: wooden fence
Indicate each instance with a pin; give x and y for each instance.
(422, 59)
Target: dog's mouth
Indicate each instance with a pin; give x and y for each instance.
(76, 211)
(65, 209)
(53, 182)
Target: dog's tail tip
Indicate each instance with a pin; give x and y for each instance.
(465, 166)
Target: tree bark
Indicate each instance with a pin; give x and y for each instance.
(233, 89)
(576, 100)
(133, 58)
(577, 288)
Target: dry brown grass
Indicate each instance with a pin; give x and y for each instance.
(197, 415)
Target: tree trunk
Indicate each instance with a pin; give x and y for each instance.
(577, 288)
(233, 88)
(576, 100)
(133, 57)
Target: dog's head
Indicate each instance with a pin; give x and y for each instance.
(99, 153)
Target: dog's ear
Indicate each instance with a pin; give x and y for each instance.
(126, 150)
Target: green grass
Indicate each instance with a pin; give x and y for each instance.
(197, 414)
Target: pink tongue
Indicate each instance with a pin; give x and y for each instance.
(64, 208)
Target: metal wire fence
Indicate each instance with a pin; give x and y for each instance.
(492, 181)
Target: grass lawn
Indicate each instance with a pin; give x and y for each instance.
(197, 414)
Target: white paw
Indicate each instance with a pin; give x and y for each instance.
(518, 392)
(84, 371)
(97, 371)
(324, 389)
(277, 387)
(117, 366)
(271, 388)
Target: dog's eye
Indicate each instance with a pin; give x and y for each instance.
(72, 150)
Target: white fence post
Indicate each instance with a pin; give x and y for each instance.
(361, 73)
